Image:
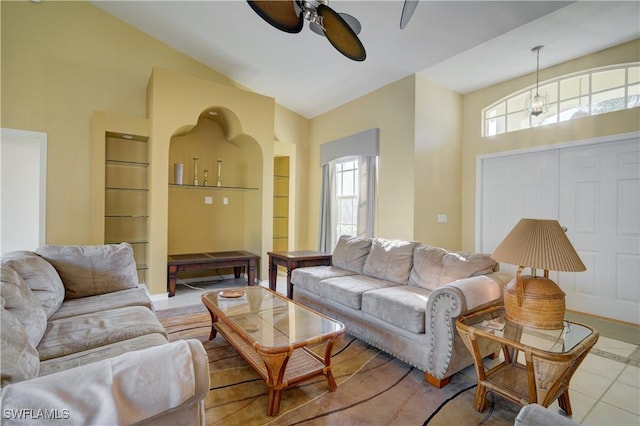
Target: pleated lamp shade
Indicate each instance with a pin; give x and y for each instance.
(539, 244)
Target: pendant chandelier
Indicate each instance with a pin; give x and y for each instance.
(536, 104)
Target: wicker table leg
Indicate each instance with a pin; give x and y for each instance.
(565, 403)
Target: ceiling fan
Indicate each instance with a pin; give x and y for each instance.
(340, 29)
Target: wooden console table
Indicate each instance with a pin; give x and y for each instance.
(203, 261)
(292, 260)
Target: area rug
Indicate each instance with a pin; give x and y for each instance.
(373, 387)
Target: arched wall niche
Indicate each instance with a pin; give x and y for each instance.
(202, 216)
(241, 135)
(226, 119)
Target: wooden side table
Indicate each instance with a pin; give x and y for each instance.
(292, 260)
(538, 364)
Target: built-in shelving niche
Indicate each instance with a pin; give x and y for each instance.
(126, 192)
(209, 218)
(281, 204)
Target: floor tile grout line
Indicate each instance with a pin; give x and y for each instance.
(599, 400)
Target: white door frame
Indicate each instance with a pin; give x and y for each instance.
(24, 184)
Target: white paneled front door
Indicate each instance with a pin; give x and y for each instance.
(593, 189)
(601, 205)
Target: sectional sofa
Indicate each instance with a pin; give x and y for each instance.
(404, 297)
(81, 344)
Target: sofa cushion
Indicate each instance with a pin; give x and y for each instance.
(18, 299)
(403, 306)
(101, 352)
(65, 336)
(19, 360)
(309, 278)
(102, 302)
(351, 253)
(40, 276)
(348, 290)
(434, 266)
(91, 270)
(390, 260)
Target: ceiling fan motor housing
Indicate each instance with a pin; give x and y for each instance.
(309, 9)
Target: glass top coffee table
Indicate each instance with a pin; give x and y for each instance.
(273, 334)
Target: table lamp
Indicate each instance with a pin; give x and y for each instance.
(538, 244)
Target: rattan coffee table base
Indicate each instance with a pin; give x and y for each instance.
(284, 369)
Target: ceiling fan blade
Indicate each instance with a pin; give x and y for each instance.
(340, 34)
(281, 14)
(350, 20)
(407, 11)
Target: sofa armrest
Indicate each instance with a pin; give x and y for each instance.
(130, 388)
(446, 304)
(537, 415)
(474, 293)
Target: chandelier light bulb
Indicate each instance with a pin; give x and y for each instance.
(537, 105)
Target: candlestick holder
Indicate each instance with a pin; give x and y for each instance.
(206, 178)
(219, 183)
(195, 171)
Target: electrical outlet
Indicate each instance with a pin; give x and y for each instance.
(442, 218)
(208, 200)
(225, 201)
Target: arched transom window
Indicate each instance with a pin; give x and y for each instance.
(571, 96)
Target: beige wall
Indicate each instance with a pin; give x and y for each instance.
(438, 148)
(584, 128)
(293, 129)
(61, 62)
(391, 109)
(419, 162)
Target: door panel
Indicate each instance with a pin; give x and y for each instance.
(516, 186)
(602, 212)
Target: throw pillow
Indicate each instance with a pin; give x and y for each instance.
(351, 253)
(19, 301)
(19, 359)
(92, 270)
(434, 266)
(390, 260)
(40, 276)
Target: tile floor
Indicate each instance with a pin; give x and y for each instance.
(604, 391)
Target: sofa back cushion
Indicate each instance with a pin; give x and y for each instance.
(434, 266)
(390, 260)
(19, 360)
(40, 276)
(19, 301)
(92, 270)
(351, 253)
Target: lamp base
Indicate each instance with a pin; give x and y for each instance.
(540, 303)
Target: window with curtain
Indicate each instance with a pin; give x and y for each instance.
(349, 175)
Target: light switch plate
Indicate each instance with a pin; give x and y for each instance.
(208, 200)
(442, 218)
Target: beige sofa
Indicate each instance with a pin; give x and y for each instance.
(404, 298)
(81, 344)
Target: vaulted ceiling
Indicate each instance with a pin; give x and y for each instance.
(462, 45)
